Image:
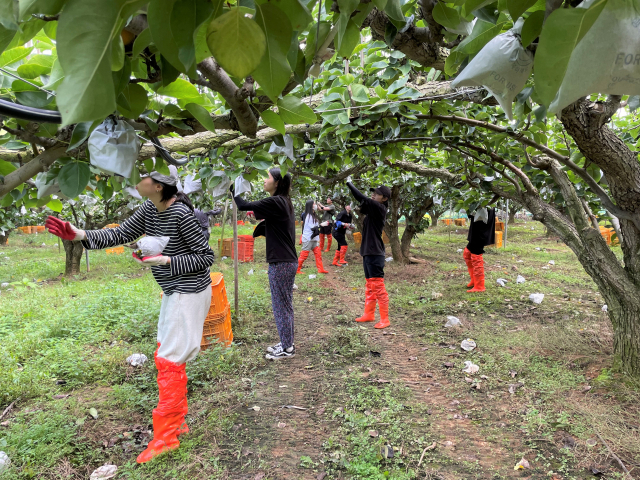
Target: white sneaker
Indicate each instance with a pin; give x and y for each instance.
(276, 346)
(279, 353)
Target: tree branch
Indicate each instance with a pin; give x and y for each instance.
(29, 170)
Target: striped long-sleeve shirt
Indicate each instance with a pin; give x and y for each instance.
(191, 256)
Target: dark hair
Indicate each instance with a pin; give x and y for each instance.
(284, 185)
(170, 191)
(309, 212)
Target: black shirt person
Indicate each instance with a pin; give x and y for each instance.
(372, 251)
(279, 226)
(343, 221)
(482, 232)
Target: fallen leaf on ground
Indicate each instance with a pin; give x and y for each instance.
(282, 425)
(373, 433)
(60, 397)
(94, 413)
(522, 464)
(320, 411)
(255, 408)
(259, 476)
(104, 472)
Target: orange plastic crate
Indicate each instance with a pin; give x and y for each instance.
(357, 237)
(217, 329)
(245, 252)
(40, 228)
(385, 239)
(460, 222)
(219, 300)
(499, 226)
(116, 250)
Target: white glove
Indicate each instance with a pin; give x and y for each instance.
(154, 261)
(324, 224)
(349, 179)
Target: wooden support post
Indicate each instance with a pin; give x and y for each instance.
(224, 221)
(235, 259)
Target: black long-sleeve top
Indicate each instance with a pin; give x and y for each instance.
(280, 226)
(376, 213)
(191, 256)
(481, 234)
(343, 217)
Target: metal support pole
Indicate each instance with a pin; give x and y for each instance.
(235, 259)
(224, 221)
(87, 255)
(504, 240)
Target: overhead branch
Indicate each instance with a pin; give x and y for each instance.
(357, 169)
(29, 170)
(582, 173)
(218, 80)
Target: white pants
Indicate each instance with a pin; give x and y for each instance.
(180, 325)
(311, 244)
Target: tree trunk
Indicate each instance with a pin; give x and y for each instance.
(4, 238)
(391, 227)
(435, 216)
(625, 317)
(73, 252)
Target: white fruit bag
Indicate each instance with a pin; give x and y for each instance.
(241, 186)
(607, 59)
(148, 247)
(191, 185)
(114, 147)
(502, 67)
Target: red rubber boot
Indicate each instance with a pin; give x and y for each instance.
(329, 239)
(318, 254)
(369, 304)
(336, 257)
(322, 235)
(303, 256)
(478, 273)
(467, 259)
(343, 252)
(168, 416)
(383, 302)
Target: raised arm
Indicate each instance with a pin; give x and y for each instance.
(357, 194)
(130, 230)
(202, 256)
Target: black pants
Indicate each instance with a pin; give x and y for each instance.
(341, 239)
(373, 266)
(326, 230)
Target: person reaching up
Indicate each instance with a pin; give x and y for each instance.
(329, 211)
(343, 222)
(372, 251)
(482, 232)
(310, 232)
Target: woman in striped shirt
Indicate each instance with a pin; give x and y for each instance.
(182, 270)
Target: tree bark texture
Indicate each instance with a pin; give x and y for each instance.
(73, 257)
(4, 238)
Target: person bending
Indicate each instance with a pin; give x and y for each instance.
(182, 270)
(343, 221)
(280, 231)
(482, 232)
(372, 251)
(327, 217)
(310, 232)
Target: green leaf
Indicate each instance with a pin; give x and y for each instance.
(295, 10)
(6, 168)
(561, 32)
(141, 42)
(532, 27)
(293, 111)
(394, 12)
(46, 7)
(350, 40)
(273, 71)
(81, 132)
(481, 34)
(518, 7)
(312, 45)
(453, 61)
(13, 55)
(132, 101)
(159, 18)
(55, 77)
(121, 78)
(273, 120)
(117, 54)
(471, 5)
(202, 115)
(6, 35)
(202, 49)
(29, 95)
(446, 16)
(50, 29)
(83, 42)
(9, 11)
(347, 7)
(360, 93)
(183, 90)
(55, 205)
(73, 178)
(380, 4)
(237, 43)
(186, 17)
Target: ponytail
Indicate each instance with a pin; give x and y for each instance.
(284, 186)
(170, 191)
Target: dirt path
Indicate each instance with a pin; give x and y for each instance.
(275, 437)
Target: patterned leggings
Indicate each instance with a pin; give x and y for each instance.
(281, 277)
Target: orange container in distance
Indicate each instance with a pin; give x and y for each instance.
(357, 237)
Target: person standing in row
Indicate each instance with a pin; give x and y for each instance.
(482, 232)
(310, 232)
(204, 220)
(280, 230)
(372, 251)
(343, 221)
(329, 211)
(182, 270)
